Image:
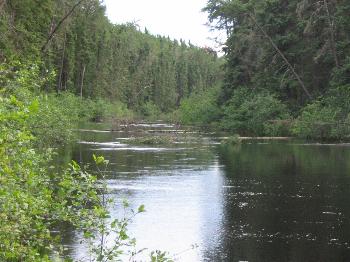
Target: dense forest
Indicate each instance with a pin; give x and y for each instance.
(287, 67)
(96, 59)
(62, 63)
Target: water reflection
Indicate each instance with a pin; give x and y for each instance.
(180, 184)
(285, 203)
(253, 202)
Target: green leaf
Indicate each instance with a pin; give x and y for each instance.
(141, 209)
(34, 106)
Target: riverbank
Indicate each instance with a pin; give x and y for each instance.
(35, 195)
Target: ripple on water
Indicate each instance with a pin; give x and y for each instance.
(261, 194)
(109, 144)
(92, 130)
(138, 149)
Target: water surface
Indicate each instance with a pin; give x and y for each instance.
(258, 201)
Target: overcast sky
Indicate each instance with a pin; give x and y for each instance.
(174, 18)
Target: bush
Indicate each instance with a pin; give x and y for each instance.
(150, 111)
(51, 123)
(232, 140)
(33, 198)
(200, 108)
(255, 114)
(100, 110)
(320, 121)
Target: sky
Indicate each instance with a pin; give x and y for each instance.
(178, 19)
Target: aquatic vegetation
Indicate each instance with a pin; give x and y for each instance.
(232, 140)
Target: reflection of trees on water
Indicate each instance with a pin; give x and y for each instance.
(140, 168)
(169, 157)
(285, 203)
(280, 202)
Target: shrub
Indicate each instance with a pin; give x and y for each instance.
(255, 114)
(34, 199)
(200, 108)
(51, 123)
(232, 140)
(100, 109)
(319, 121)
(31, 200)
(150, 110)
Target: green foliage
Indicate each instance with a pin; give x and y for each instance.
(32, 197)
(339, 96)
(53, 122)
(97, 59)
(98, 109)
(200, 108)
(284, 48)
(159, 256)
(321, 121)
(232, 140)
(254, 114)
(53, 117)
(150, 110)
(59, 114)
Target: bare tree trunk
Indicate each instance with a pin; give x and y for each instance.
(2, 4)
(332, 34)
(59, 87)
(282, 56)
(82, 82)
(53, 32)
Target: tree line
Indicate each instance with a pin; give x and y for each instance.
(63, 62)
(94, 58)
(287, 66)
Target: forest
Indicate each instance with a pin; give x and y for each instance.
(63, 63)
(92, 58)
(287, 67)
(285, 71)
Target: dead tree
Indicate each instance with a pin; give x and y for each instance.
(282, 56)
(59, 24)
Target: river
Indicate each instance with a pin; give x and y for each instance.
(257, 201)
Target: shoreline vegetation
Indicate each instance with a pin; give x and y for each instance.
(65, 63)
(34, 196)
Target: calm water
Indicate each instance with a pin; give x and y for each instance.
(276, 201)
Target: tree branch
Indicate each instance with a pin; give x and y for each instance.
(43, 48)
(282, 56)
(2, 4)
(332, 35)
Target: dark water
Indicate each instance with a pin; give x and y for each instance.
(276, 201)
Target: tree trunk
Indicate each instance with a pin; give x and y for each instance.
(2, 4)
(82, 82)
(59, 87)
(282, 56)
(332, 34)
